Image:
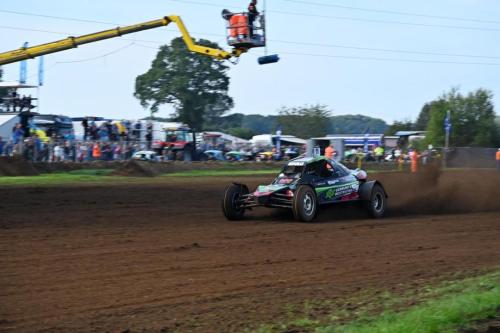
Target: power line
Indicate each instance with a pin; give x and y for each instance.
(51, 66)
(55, 17)
(373, 58)
(347, 18)
(292, 43)
(278, 41)
(122, 38)
(97, 57)
(390, 59)
(32, 30)
(75, 19)
(426, 25)
(384, 11)
(219, 35)
(297, 54)
(384, 50)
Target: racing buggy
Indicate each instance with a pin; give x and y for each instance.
(303, 185)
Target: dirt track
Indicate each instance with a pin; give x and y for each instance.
(159, 257)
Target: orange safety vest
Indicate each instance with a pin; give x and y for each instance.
(238, 25)
(414, 156)
(96, 151)
(498, 155)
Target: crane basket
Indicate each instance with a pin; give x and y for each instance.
(245, 30)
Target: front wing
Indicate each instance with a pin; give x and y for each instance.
(274, 200)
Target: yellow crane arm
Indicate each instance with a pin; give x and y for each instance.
(73, 42)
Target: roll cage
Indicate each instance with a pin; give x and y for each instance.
(311, 171)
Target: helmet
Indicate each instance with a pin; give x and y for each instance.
(361, 175)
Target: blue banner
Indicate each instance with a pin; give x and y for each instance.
(366, 148)
(23, 73)
(41, 71)
(447, 123)
(278, 142)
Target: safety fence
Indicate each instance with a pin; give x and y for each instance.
(72, 151)
(471, 157)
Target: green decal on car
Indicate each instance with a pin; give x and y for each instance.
(337, 190)
(330, 194)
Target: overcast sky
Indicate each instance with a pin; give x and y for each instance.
(328, 54)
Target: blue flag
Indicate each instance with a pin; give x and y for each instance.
(23, 73)
(278, 142)
(366, 147)
(279, 130)
(41, 71)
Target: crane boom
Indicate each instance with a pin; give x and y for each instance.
(73, 42)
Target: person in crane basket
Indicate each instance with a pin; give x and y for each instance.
(252, 15)
(241, 25)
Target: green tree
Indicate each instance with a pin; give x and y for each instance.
(407, 125)
(260, 124)
(497, 123)
(356, 124)
(305, 121)
(472, 119)
(244, 133)
(224, 123)
(195, 85)
(423, 118)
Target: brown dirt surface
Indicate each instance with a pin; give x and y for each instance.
(160, 257)
(46, 167)
(16, 166)
(134, 168)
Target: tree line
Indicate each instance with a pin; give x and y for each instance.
(473, 120)
(303, 122)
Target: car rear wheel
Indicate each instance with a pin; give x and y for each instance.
(230, 203)
(305, 204)
(377, 204)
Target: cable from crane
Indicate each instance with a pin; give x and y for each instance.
(267, 59)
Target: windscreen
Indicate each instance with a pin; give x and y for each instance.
(290, 173)
(177, 136)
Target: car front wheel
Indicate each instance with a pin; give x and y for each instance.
(230, 203)
(305, 204)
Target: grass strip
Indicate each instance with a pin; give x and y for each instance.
(58, 179)
(441, 316)
(221, 173)
(103, 176)
(438, 309)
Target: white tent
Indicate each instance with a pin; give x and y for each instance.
(267, 140)
(227, 137)
(16, 85)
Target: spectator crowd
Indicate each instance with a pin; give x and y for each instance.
(108, 142)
